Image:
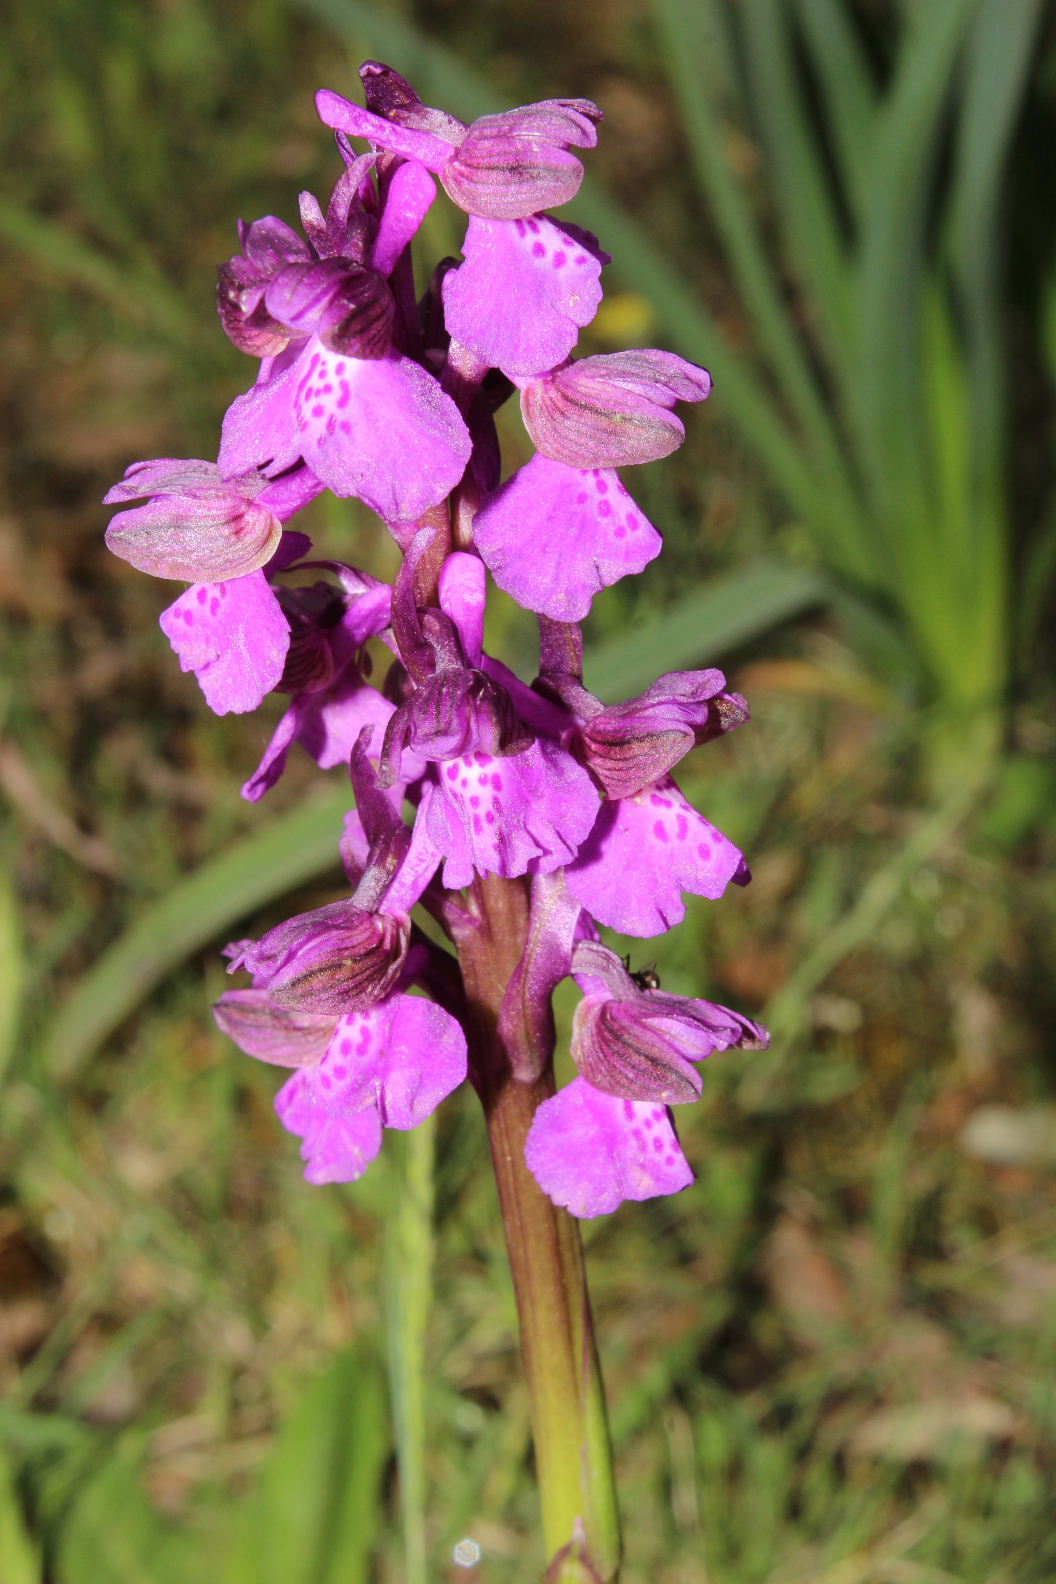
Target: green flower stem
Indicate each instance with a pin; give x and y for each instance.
(572, 1447)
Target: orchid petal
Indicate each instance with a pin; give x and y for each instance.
(589, 1152)
(234, 636)
(554, 535)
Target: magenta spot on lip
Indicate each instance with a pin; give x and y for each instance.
(341, 1072)
(346, 393)
(628, 1109)
(464, 782)
(604, 508)
(452, 772)
(496, 782)
(489, 816)
(639, 1137)
(187, 615)
(649, 1120)
(339, 368)
(538, 250)
(521, 227)
(482, 758)
(203, 595)
(474, 801)
(633, 522)
(326, 1082)
(313, 365)
(580, 258)
(318, 410)
(346, 1047)
(533, 226)
(324, 390)
(345, 426)
(703, 851)
(214, 606)
(660, 831)
(603, 486)
(581, 498)
(477, 824)
(658, 1145)
(682, 824)
(620, 532)
(559, 260)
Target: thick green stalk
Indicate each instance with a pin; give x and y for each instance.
(572, 1448)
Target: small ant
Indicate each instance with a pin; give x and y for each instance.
(646, 978)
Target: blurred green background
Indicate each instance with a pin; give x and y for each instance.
(832, 1359)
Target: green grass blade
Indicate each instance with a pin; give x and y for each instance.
(799, 183)
(12, 976)
(316, 1514)
(408, 1296)
(19, 1561)
(997, 63)
(845, 80)
(701, 628)
(684, 46)
(288, 851)
(130, 291)
(890, 418)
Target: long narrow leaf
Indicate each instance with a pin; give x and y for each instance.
(890, 417)
(705, 625)
(997, 63)
(779, 340)
(408, 1296)
(128, 288)
(799, 183)
(845, 81)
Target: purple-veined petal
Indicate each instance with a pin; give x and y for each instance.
(612, 409)
(554, 535)
(283, 1036)
(203, 539)
(401, 1057)
(590, 1151)
(233, 636)
(524, 292)
(337, 1149)
(506, 815)
(643, 853)
(352, 119)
